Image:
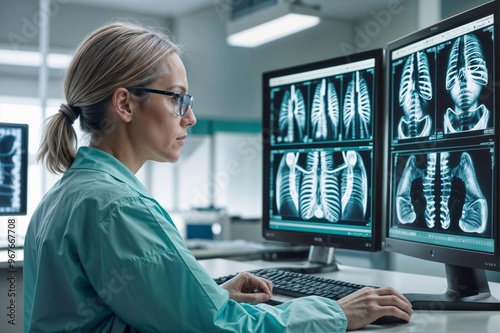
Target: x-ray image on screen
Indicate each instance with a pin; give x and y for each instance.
(413, 92)
(447, 191)
(357, 108)
(325, 112)
(322, 185)
(467, 103)
(10, 169)
(290, 111)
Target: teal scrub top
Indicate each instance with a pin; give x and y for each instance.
(100, 250)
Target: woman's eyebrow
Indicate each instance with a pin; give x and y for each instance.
(178, 87)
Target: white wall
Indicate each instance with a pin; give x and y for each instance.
(217, 73)
(385, 25)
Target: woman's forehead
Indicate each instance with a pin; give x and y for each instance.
(175, 73)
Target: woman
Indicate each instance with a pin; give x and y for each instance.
(101, 254)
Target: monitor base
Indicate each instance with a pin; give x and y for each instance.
(320, 260)
(467, 290)
(448, 301)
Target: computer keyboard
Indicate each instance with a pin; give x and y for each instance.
(299, 285)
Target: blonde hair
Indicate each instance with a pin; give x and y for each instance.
(116, 55)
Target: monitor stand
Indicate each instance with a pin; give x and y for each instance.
(467, 290)
(320, 260)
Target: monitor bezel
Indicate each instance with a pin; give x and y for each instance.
(437, 253)
(24, 168)
(372, 244)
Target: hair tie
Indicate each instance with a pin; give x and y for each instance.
(70, 112)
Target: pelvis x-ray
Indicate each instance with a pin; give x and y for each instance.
(443, 188)
(357, 112)
(321, 185)
(415, 92)
(325, 112)
(10, 170)
(292, 116)
(466, 75)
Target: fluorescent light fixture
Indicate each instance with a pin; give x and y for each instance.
(20, 58)
(269, 24)
(33, 59)
(58, 60)
(272, 30)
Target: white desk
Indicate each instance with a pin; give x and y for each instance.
(422, 321)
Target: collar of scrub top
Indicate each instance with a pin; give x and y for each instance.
(96, 159)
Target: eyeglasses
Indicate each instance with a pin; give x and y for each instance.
(183, 100)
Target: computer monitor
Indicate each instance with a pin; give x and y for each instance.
(13, 168)
(322, 165)
(444, 154)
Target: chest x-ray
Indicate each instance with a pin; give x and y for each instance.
(292, 116)
(325, 112)
(357, 112)
(415, 91)
(461, 201)
(311, 185)
(10, 170)
(466, 75)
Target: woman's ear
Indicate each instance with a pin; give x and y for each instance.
(122, 104)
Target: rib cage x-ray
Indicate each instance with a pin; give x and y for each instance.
(319, 189)
(10, 170)
(292, 116)
(417, 191)
(474, 215)
(357, 111)
(287, 185)
(310, 185)
(415, 91)
(354, 187)
(325, 112)
(466, 74)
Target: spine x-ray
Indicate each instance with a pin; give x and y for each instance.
(442, 191)
(10, 170)
(292, 116)
(466, 75)
(415, 92)
(318, 185)
(325, 112)
(357, 111)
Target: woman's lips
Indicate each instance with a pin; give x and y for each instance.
(181, 139)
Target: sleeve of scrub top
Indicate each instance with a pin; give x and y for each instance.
(151, 281)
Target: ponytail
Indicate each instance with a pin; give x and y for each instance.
(59, 142)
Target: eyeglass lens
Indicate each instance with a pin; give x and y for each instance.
(187, 101)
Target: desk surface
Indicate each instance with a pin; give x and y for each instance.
(422, 321)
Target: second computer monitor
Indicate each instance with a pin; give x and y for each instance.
(444, 176)
(322, 143)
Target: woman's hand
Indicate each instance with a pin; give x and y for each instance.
(249, 288)
(366, 305)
